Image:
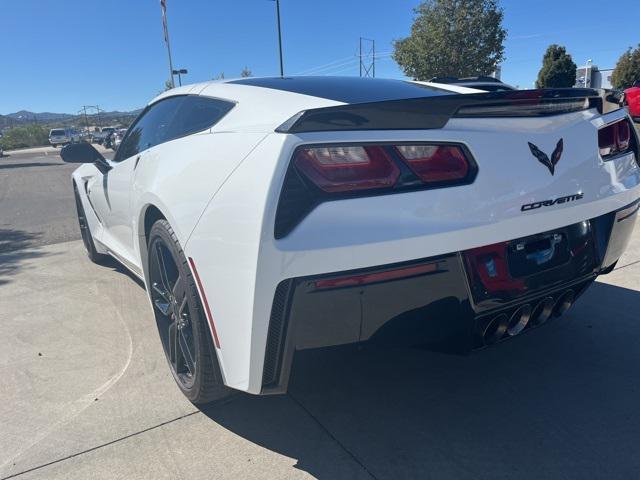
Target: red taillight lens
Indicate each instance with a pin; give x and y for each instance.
(435, 163)
(614, 138)
(624, 135)
(348, 168)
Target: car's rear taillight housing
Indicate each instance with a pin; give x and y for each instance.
(320, 173)
(339, 169)
(347, 168)
(614, 139)
(435, 163)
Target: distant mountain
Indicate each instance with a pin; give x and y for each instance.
(25, 116)
(117, 113)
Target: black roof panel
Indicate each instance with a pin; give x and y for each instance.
(346, 89)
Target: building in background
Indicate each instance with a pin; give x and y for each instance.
(596, 78)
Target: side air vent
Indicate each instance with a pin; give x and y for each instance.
(276, 336)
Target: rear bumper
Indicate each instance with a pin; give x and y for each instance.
(439, 301)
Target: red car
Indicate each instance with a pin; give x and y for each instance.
(632, 96)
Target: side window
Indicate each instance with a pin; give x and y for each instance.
(150, 129)
(197, 114)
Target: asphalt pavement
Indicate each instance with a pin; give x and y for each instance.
(36, 207)
(86, 392)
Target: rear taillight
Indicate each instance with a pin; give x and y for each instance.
(348, 168)
(614, 139)
(320, 173)
(435, 163)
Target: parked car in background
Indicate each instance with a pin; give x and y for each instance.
(488, 84)
(632, 96)
(99, 137)
(116, 138)
(63, 136)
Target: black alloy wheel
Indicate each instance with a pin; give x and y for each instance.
(169, 297)
(181, 322)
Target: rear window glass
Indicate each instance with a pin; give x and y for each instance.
(57, 132)
(197, 114)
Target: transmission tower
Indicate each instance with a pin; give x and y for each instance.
(367, 57)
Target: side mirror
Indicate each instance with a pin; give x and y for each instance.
(84, 153)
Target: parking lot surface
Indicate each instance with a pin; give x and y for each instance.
(34, 195)
(86, 392)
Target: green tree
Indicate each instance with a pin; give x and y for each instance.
(452, 38)
(24, 137)
(558, 69)
(245, 72)
(220, 76)
(627, 70)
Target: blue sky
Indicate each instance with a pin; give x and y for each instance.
(59, 55)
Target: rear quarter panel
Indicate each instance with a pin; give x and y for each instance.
(181, 176)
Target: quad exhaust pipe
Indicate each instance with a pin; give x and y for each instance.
(564, 302)
(497, 327)
(543, 311)
(519, 320)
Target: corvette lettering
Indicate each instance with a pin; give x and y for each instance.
(549, 203)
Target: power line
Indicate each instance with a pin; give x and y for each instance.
(322, 67)
(349, 62)
(325, 71)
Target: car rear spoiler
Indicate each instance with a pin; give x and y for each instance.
(434, 112)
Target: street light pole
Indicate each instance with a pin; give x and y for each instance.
(182, 71)
(587, 69)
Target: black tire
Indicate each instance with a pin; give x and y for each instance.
(187, 344)
(87, 239)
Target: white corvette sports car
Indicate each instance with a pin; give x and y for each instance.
(271, 215)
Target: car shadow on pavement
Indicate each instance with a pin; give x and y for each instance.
(16, 247)
(558, 402)
(5, 166)
(118, 267)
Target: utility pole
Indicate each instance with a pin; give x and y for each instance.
(163, 5)
(368, 59)
(373, 58)
(86, 120)
(99, 117)
(279, 37)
